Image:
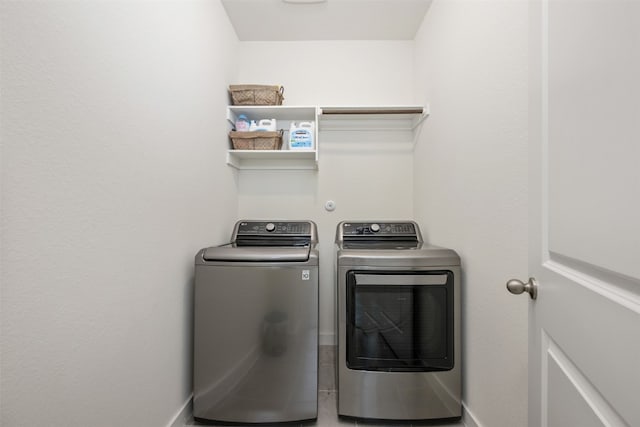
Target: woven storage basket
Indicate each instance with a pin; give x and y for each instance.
(256, 140)
(256, 94)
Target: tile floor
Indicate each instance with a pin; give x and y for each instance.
(327, 409)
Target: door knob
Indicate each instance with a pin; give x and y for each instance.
(517, 287)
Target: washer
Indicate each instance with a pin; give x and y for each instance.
(398, 323)
(256, 325)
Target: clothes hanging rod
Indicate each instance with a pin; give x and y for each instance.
(417, 110)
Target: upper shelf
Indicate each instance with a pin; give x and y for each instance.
(278, 112)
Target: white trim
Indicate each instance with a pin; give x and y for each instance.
(544, 381)
(587, 278)
(184, 414)
(592, 397)
(544, 119)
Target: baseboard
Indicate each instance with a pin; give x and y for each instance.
(468, 419)
(184, 414)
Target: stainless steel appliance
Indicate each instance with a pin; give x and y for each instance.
(256, 325)
(398, 323)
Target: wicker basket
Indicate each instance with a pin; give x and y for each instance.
(256, 94)
(256, 140)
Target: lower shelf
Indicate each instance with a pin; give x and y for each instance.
(273, 159)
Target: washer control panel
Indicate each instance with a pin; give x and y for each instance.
(264, 228)
(386, 229)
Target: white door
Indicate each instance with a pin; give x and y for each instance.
(584, 326)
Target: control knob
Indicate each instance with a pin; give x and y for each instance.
(375, 228)
(270, 227)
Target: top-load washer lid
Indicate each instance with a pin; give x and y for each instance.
(257, 254)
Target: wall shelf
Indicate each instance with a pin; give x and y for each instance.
(275, 159)
(285, 113)
(394, 126)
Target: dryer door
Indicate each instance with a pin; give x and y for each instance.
(400, 321)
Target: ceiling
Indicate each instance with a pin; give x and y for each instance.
(280, 20)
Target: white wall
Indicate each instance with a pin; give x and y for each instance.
(365, 181)
(471, 186)
(113, 140)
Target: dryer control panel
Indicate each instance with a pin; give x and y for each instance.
(381, 229)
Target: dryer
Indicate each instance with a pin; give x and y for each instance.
(256, 325)
(398, 323)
